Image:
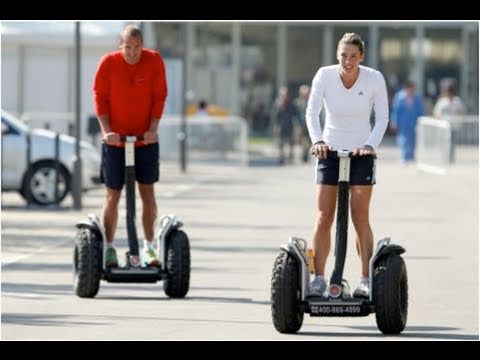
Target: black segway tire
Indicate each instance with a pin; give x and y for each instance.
(177, 282)
(390, 294)
(287, 314)
(87, 260)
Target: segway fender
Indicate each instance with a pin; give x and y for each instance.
(296, 248)
(383, 249)
(168, 224)
(290, 252)
(85, 224)
(294, 254)
(388, 250)
(176, 225)
(93, 223)
(88, 225)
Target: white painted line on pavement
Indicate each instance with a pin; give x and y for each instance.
(23, 295)
(179, 189)
(40, 250)
(168, 194)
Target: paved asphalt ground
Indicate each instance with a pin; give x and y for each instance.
(236, 219)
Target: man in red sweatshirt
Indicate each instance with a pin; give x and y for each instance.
(129, 93)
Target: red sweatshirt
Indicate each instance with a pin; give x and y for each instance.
(131, 95)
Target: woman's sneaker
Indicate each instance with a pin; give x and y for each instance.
(318, 286)
(363, 288)
(150, 258)
(111, 258)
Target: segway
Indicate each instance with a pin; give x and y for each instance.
(172, 247)
(388, 297)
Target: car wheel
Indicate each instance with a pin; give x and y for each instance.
(39, 184)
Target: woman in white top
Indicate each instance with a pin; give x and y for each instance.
(349, 92)
(448, 105)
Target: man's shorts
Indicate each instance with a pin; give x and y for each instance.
(112, 173)
(362, 171)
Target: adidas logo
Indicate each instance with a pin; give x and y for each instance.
(360, 93)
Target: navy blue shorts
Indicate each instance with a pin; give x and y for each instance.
(362, 171)
(112, 172)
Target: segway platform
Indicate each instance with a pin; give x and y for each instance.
(320, 306)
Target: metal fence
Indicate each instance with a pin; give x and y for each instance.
(62, 122)
(210, 138)
(440, 142)
(222, 139)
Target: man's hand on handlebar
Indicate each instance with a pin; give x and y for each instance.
(365, 150)
(150, 137)
(112, 138)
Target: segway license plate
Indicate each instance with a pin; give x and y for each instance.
(340, 309)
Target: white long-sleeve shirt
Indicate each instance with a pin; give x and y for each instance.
(446, 107)
(347, 111)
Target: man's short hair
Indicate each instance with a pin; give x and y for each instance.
(131, 31)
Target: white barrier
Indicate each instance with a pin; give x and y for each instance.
(222, 139)
(438, 141)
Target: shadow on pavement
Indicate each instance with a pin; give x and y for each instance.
(30, 288)
(425, 332)
(386, 337)
(187, 298)
(38, 267)
(44, 320)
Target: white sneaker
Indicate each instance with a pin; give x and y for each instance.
(363, 288)
(318, 286)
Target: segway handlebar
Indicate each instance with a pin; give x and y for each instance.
(334, 154)
(132, 138)
(128, 138)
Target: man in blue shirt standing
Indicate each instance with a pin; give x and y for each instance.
(407, 107)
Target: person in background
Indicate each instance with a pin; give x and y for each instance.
(202, 107)
(407, 107)
(284, 115)
(301, 104)
(448, 104)
(450, 107)
(129, 90)
(260, 119)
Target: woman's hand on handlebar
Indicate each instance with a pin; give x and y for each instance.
(112, 138)
(365, 150)
(320, 150)
(150, 137)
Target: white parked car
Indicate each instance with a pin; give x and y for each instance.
(36, 181)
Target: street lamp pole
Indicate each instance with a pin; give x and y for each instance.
(77, 178)
(182, 135)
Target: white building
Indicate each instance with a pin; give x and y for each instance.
(38, 70)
